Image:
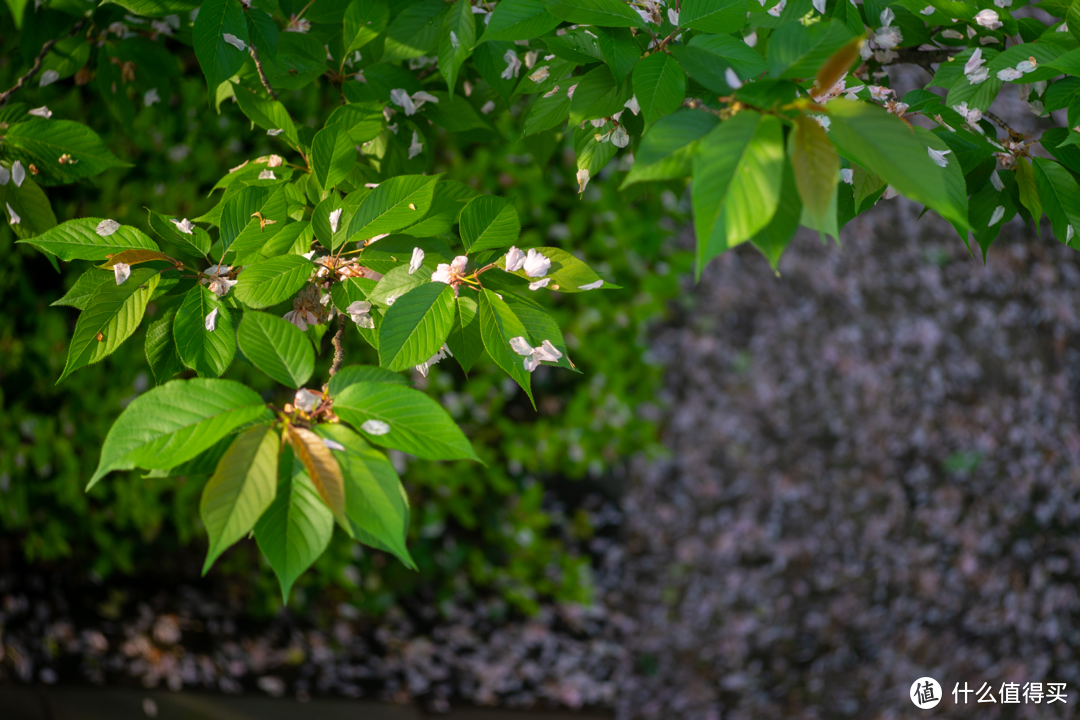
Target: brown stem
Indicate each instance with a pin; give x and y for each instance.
(339, 352)
(922, 58)
(37, 62)
(262, 73)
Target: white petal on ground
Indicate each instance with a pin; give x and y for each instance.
(211, 320)
(235, 42)
(416, 261)
(122, 271)
(375, 427)
(107, 227)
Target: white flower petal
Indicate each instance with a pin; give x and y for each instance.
(732, 79)
(847, 175)
(107, 227)
(536, 264)
(521, 346)
(211, 320)
(18, 173)
(416, 147)
(48, 78)
(333, 445)
(15, 219)
(335, 219)
(235, 42)
(938, 156)
(487, 107)
(267, 175)
(375, 427)
(548, 352)
(183, 226)
(995, 180)
(539, 284)
(275, 132)
(122, 271)
(999, 212)
(583, 179)
(592, 286)
(41, 112)
(515, 259)
(416, 261)
(5, 175)
(632, 105)
(150, 97)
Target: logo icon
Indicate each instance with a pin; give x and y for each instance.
(925, 693)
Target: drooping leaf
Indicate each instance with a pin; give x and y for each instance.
(207, 352)
(458, 36)
(161, 353)
(322, 469)
(112, 314)
(464, 339)
(404, 419)
(816, 167)
(175, 422)
(277, 347)
(498, 326)
(242, 487)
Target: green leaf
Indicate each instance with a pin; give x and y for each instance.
(567, 273)
(277, 347)
(729, 50)
(270, 115)
(161, 353)
(363, 121)
(364, 21)
(218, 59)
(207, 352)
(1060, 196)
(598, 96)
(620, 51)
(776, 236)
(155, 8)
(417, 424)
(78, 240)
(489, 58)
(705, 67)
(237, 210)
(499, 325)
(246, 234)
(603, 13)
(322, 469)
(269, 282)
(416, 326)
(737, 175)
(112, 313)
(352, 374)
(457, 39)
(816, 168)
(263, 33)
(464, 339)
(868, 135)
(396, 282)
(667, 148)
(84, 288)
(32, 207)
(489, 223)
(297, 527)
(547, 113)
(301, 58)
(539, 326)
(1028, 189)
(713, 16)
(42, 143)
(387, 208)
(798, 51)
(197, 242)
(376, 505)
(659, 86)
(242, 487)
(415, 31)
(333, 155)
(519, 20)
(173, 423)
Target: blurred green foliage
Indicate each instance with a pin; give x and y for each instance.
(475, 529)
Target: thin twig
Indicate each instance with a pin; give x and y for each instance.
(339, 352)
(37, 62)
(923, 58)
(262, 73)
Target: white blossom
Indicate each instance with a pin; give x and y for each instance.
(632, 105)
(592, 286)
(399, 97)
(150, 97)
(299, 25)
(888, 37)
(673, 14)
(360, 313)
(216, 278)
(335, 219)
(307, 400)
(421, 96)
(546, 352)
(15, 219)
(122, 271)
(886, 17)
(515, 259)
(267, 175)
(513, 65)
(1009, 74)
(974, 62)
(235, 42)
(274, 161)
(972, 115)
(442, 354)
(996, 181)
(183, 226)
(732, 79)
(415, 147)
(938, 156)
(619, 137)
(301, 318)
(416, 261)
(490, 105)
(988, 19)
(48, 78)
(778, 8)
(847, 175)
(211, 320)
(18, 173)
(819, 5)
(106, 228)
(375, 427)
(999, 212)
(41, 112)
(536, 264)
(539, 284)
(582, 179)
(445, 273)
(823, 120)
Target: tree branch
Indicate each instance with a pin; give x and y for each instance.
(339, 351)
(262, 73)
(37, 62)
(922, 58)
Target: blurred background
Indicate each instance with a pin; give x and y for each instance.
(769, 495)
